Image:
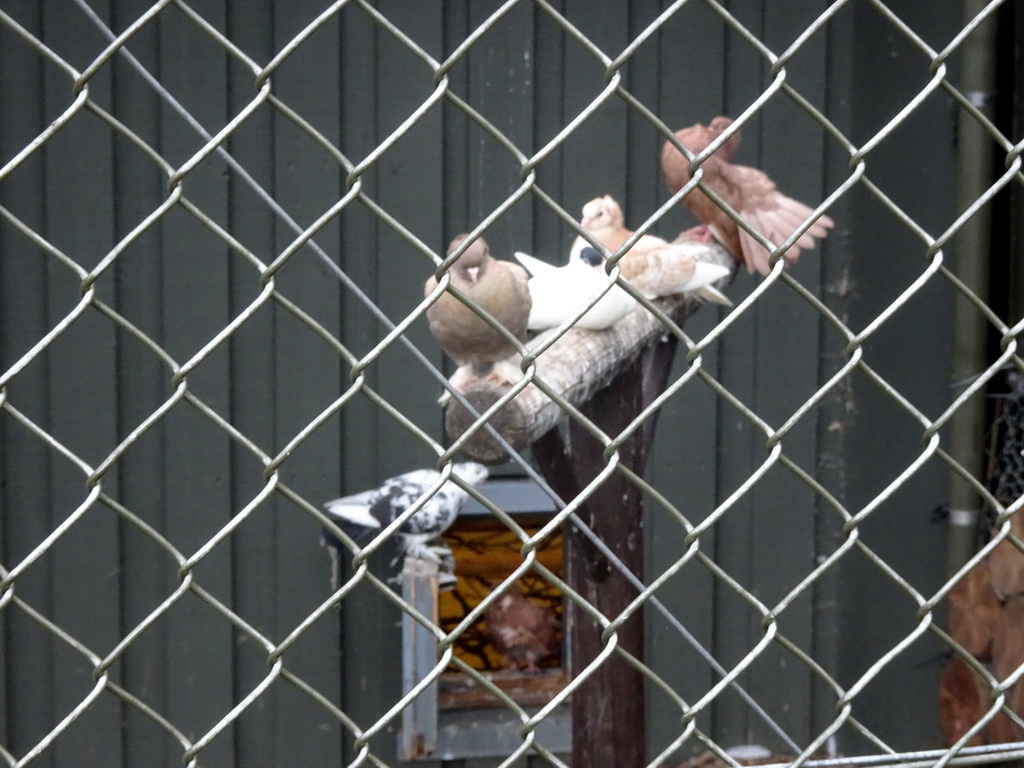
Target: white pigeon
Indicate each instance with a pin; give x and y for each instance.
(558, 292)
(364, 513)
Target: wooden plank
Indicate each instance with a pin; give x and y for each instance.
(458, 691)
(358, 459)
(789, 335)
(594, 157)
(373, 446)
(418, 735)
(579, 364)
(308, 377)
(409, 186)
(256, 581)
(550, 237)
(142, 385)
(905, 352)
(409, 182)
(500, 86)
(28, 652)
(736, 627)
(836, 260)
(81, 373)
(458, 213)
(607, 713)
(643, 79)
(685, 458)
(196, 455)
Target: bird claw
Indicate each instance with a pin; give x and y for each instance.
(505, 372)
(462, 378)
(432, 553)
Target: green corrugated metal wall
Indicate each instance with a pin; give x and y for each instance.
(355, 83)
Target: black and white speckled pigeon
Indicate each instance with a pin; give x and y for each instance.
(447, 579)
(364, 514)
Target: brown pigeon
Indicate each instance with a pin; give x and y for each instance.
(500, 288)
(1006, 562)
(750, 193)
(1007, 657)
(521, 629)
(963, 700)
(975, 612)
(653, 266)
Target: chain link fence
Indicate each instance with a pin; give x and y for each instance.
(203, 596)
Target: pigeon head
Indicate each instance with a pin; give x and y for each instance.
(720, 123)
(470, 471)
(473, 260)
(718, 126)
(697, 137)
(601, 213)
(590, 256)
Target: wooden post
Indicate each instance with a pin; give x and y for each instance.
(418, 737)
(608, 709)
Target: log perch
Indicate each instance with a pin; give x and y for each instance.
(576, 366)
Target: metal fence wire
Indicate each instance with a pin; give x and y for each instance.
(116, 636)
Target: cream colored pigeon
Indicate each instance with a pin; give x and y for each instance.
(653, 266)
(500, 288)
(750, 193)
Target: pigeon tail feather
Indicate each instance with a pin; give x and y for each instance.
(533, 264)
(712, 294)
(355, 513)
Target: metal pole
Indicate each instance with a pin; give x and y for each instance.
(971, 257)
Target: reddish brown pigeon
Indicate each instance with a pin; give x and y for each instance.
(521, 629)
(750, 193)
(500, 288)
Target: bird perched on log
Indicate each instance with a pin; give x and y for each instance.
(747, 190)
(499, 287)
(521, 630)
(558, 292)
(362, 514)
(653, 266)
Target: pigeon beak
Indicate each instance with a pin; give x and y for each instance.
(586, 221)
(473, 272)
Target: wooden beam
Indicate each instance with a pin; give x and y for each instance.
(608, 708)
(418, 736)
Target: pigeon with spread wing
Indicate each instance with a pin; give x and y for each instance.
(747, 190)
